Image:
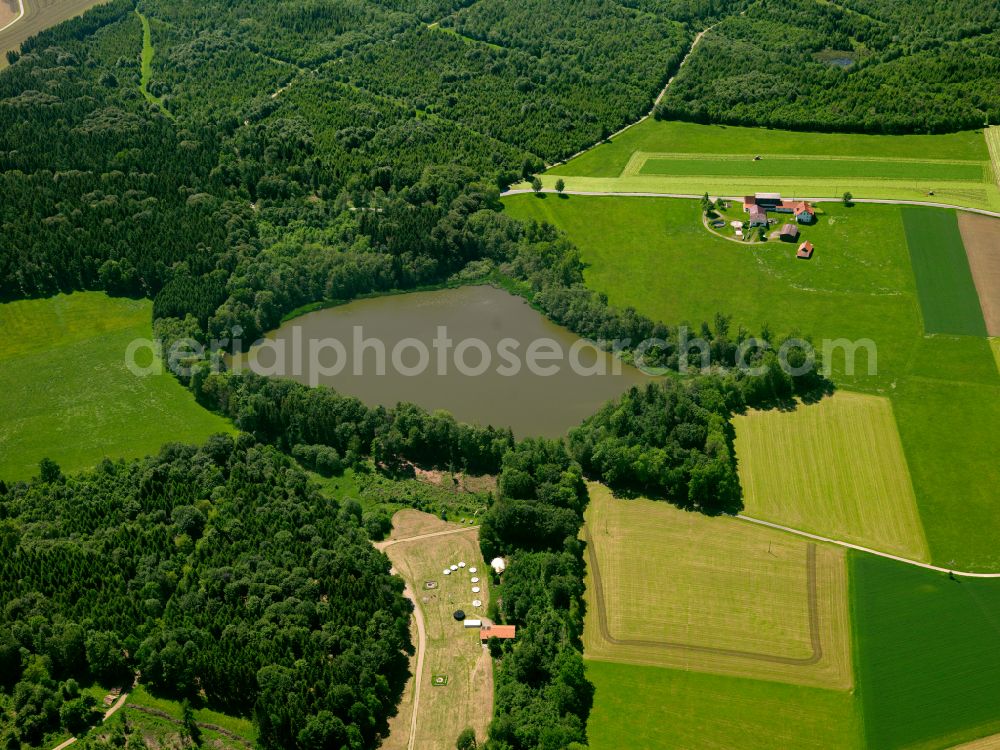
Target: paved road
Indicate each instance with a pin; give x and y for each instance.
(818, 538)
(20, 15)
(418, 616)
(883, 201)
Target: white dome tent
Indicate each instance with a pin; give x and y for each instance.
(498, 564)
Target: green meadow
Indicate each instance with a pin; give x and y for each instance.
(655, 255)
(947, 293)
(661, 709)
(927, 662)
(676, 157)
(68, 395)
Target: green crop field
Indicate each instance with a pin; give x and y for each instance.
(835, 468)
(676, 157)
(948, 296)
(671, 588)
(928, 666)
(667, 709)
(655, 255)
(68, 394)
(840, 168)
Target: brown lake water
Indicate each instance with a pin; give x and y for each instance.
(479, 352)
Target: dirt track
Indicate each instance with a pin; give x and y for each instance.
(981, 236)
(817, 645)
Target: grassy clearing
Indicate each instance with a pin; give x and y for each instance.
(38, 16)
(724, 164)
(452, 651)
(148, 53)
(68, 394)
(661, 709)
(947, 293)
(241, 727)
(835, 468)
(716, 595)
(655, 255)
(927, 661)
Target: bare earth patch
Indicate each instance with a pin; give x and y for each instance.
(981, 236)
(9, 10)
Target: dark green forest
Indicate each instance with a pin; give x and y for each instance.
(867, 66)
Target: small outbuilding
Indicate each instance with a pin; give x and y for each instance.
(804, 213)
(789, 233)
(472, 623)
(503, 632)
(805, 251)
(758, 217)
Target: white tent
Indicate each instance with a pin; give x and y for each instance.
(498, 564)
(475, 589)
(454, 567)
(447, 571)
(472, 570)
(476, 603)
(461, 565)
(475, 580)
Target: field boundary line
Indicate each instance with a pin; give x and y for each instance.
(677, 156)
(849, 545)
(390, 542)
(693, 196)
(19, 16)
(813, 607)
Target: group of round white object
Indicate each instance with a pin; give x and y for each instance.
(475, 589)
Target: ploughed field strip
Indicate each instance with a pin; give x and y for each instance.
(674, 589)
(38, 16)
(835, 468)
(981, 237)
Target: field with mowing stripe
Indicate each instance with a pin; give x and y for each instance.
(835, 468)
(452, 651)
(947, 293)
(667, 709)
(68, 394)
(928, 665)
(676, 157)
(675, 589)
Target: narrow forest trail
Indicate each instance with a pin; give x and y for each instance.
(652, 110)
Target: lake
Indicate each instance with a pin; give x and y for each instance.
(479, 352)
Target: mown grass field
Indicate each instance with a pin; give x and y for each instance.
(453, 651)
(68, 394)
(719, 159)
(743, 165)
(948, 297)
(654, 254)
(38, 16)
(668, 709)
(928, 666)
(835, 468)
(682, 590)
